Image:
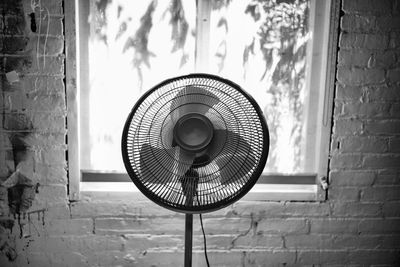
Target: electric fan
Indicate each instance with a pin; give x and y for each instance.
(195, 144)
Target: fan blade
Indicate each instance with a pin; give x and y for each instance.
(192, 99)
(232, 169)
(235, 159)
(164, 165)
(183, 161)
(217, 143)
(167, 133)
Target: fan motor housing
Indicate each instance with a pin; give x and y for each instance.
(193, 132)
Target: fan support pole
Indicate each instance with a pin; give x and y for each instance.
(188, 239)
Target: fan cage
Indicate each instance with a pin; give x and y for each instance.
(229, 107)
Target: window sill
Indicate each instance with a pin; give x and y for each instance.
(260, 192)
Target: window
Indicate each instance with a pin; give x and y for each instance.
(279, 51)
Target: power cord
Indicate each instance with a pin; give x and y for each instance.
(204, 237)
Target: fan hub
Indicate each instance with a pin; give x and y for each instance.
(193, 132)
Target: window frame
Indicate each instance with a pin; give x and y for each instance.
(326, 65)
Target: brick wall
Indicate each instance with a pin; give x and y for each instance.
(359, 225)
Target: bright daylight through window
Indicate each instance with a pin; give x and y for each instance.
(269, 48)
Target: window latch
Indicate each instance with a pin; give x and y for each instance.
(324, 182)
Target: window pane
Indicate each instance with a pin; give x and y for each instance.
(263, 45)
(132, 46)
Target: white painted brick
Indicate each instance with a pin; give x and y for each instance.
(359, 58)
(358, 23)
(376, 161)
(382, 127)
(259, 209)
(35, 85)
(283, 226)
(345, 92)
(48, 175)
(394, 41)
(142, 242)
(55, 28)
(351, 178)
(365, 241)
(380, 193)
(54, 104)
(301, 242)
(69, 227)
(161, 258)
(118, 208)
(383, 93)
(30, 65)
(341, 241)
(356, 209)
(380, 226)
(67, 258)
(346, 161)
(157, 225)
(112, 226)
(358, 76)
(50, 194)
(366, 110)
(256, 241)
(388, 23)
(54, 7)
(384, 59)
(301, 209)
(46, 140)
(388, 177)
(110, 258)
(328, 257)
(364, 144)
(175, 258)
(337, 193)
(272, 258)
(4, 208)
(344, 127)
(363, 41)
(391, 209)
(395, 111)
(394, 75)
(374, 257)
(51, 157)
(48, 123)
(35, 259)
(13, 25)
(225, 225)
(54, 45)
(334, 225)
(367, 6)
(82, 243)
(221, 242)
(57, 211)
(47, 65)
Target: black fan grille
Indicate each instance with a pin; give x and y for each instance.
(151, 122)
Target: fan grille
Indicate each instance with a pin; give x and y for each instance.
(151, 123)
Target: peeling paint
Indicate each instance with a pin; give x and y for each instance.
(33, 21)
(27, 219)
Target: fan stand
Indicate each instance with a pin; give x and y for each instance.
(188, 239)
(189, 188)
